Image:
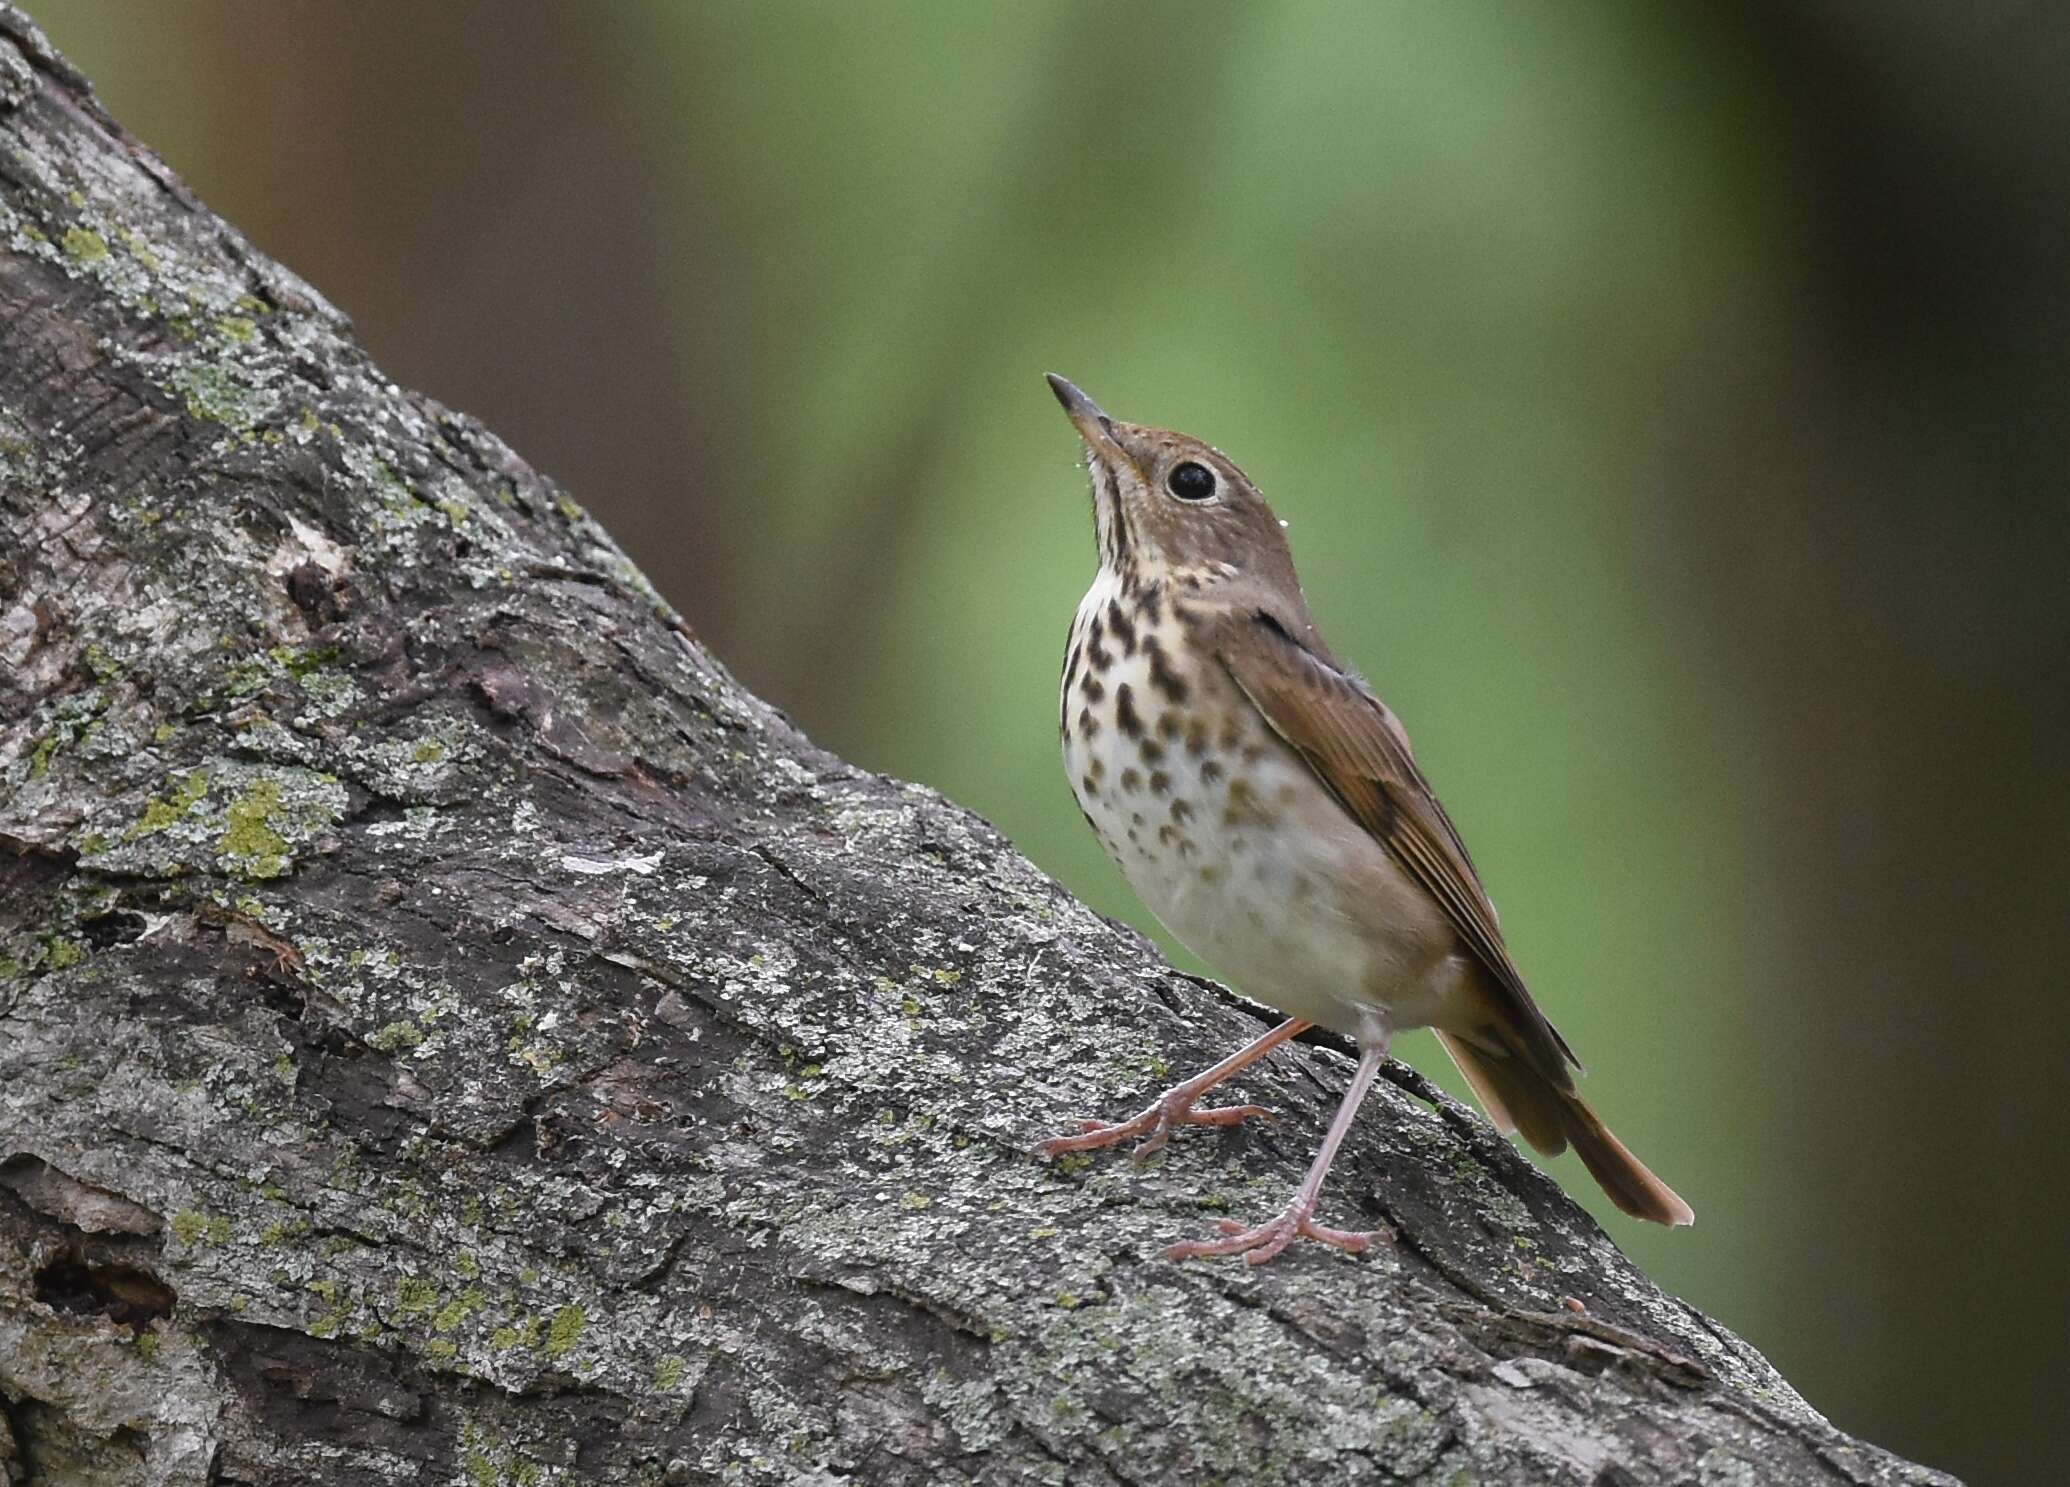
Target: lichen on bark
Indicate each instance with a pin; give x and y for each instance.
(450, 1031)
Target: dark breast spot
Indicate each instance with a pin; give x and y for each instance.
(1153, 751)
(1210, 771)
(1182, 811)
(1159, 782)
(1096, 652)
(1131, 782)
(1162, 676)
(1124, 628)
(1125, 717)
(1088, 725)
(1093, 687)
(1243, 807)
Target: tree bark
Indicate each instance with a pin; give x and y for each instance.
(449, 1031)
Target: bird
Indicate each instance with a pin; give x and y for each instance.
(1266, 806)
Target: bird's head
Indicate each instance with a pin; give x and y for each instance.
(1168, 506)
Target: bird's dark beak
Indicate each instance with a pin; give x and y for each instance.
(1093, 426)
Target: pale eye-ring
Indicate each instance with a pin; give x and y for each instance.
(1191, 481)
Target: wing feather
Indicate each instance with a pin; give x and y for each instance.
(1358, 750)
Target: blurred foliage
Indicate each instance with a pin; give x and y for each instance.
(1665, 405)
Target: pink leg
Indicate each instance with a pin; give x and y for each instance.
(1268, 1239)
(1175, 1106)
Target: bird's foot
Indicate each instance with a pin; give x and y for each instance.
(1155, 1124)
(1269, 1238)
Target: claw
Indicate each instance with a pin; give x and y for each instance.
(1175, 1106)
(1269, 1238)
(1154, 1124)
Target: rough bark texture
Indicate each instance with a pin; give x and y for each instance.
(450, 1032)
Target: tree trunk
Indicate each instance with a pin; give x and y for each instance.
(449, 1031)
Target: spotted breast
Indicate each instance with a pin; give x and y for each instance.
(1224, 832)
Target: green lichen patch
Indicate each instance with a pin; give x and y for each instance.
(103, 665)
(225, 391)
(564, 1331)
(414, 1294)
(299, 661)
(396, 1036)
(275, 811)
(279, 671)
(456, 1311)
(488, 1461)
(140, 249)
(523, 1335)
(85, 245)
(250, 845)
(249, 820)
(164, 811)
(195, 1229)
(337, 1308)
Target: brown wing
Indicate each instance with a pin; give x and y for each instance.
(1361, 755)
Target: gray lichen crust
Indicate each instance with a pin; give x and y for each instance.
(450, 1032)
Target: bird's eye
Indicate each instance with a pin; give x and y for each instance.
(1191, 481)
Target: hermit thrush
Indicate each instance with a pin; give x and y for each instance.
(1265, 804)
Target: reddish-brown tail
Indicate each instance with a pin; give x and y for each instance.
(1518, 1098)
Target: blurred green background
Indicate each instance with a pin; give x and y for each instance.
(1669, 405)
